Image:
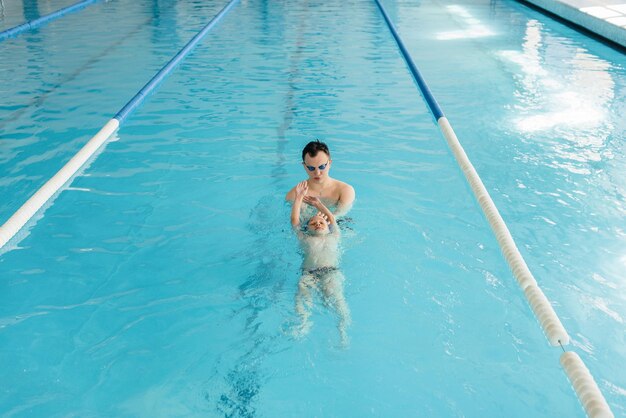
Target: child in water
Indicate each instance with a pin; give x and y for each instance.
(320, 266)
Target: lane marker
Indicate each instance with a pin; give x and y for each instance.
(14, 31)
(594, 403)
(64, 176)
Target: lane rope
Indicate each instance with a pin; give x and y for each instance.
(167, 69)
(65, 175)
(592, 400)
(35, 23)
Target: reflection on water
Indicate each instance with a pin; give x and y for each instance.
(573, 105)
(31, 10)
(473, 28)
(567, 131)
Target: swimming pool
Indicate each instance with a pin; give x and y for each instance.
(162, 282)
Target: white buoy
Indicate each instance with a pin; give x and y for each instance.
(511, 254)
(552, 327)
(585, 386)
(583, 383)
(52, 186)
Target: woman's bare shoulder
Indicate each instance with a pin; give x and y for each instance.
(344, 188)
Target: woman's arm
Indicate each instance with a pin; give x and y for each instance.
(346, 199)
(291, 194)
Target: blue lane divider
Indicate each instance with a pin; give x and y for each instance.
(167, 69)
(65, 175)
(428, 96)
(582, 381)
(43, 19)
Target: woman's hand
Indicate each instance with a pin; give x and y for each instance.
(313, 201)
(301, 189)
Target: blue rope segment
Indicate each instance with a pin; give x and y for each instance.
(43, 19)
(428, 96)
(167, 69)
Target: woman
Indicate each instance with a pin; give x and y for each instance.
(335, 194)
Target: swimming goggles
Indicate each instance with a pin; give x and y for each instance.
(321, 167)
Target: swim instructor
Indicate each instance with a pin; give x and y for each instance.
(316, 161)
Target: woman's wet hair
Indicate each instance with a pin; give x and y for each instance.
(313, 147)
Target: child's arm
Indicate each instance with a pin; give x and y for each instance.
(300, 192)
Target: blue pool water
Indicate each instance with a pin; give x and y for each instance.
(161, 282)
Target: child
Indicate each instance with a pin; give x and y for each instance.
(320, 266)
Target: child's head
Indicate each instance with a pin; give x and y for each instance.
(318, 225)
